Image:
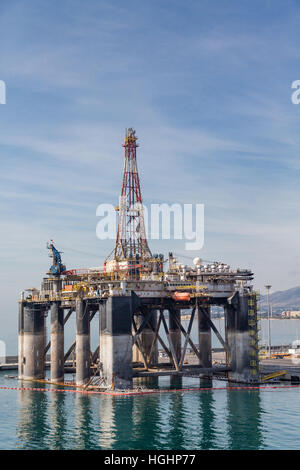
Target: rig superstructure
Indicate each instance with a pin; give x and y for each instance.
(138, 295)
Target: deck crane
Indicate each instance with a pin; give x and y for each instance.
(57, 267)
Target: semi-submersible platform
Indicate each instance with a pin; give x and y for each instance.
(139, 298)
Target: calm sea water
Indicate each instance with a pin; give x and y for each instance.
(215, 419)
(212, 419)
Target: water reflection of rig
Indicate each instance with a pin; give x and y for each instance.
(138, 295)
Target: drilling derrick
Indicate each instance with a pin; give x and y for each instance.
(131, 241)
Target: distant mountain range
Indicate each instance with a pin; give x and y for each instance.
(289, 299)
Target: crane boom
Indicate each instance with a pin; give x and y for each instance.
(57, 267)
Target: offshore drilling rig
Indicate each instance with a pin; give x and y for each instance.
(138, 295)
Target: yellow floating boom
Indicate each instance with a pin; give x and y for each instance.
(274, 374)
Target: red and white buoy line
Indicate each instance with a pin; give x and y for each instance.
(148, 392)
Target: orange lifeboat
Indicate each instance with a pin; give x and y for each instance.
(68, 288)
(181, 296)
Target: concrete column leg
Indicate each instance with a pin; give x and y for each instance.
(204, 337)
(175, 333)
(34, 342)
(82, 343)
(57, 343)
(238, 330)
(21, 340)
(116, 342)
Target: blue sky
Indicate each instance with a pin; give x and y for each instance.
(206, 84)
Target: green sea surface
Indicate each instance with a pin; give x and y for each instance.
(210, 419)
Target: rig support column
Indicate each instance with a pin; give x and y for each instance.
(82, 342)
(34, 342)
(116, 342)
(175, 332)
(175, 337)
(21, 340)
(204, 336)
(57, 342)
(241, 322)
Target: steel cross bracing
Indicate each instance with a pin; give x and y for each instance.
(170, 351)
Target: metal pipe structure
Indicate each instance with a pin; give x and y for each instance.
(120, 332)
